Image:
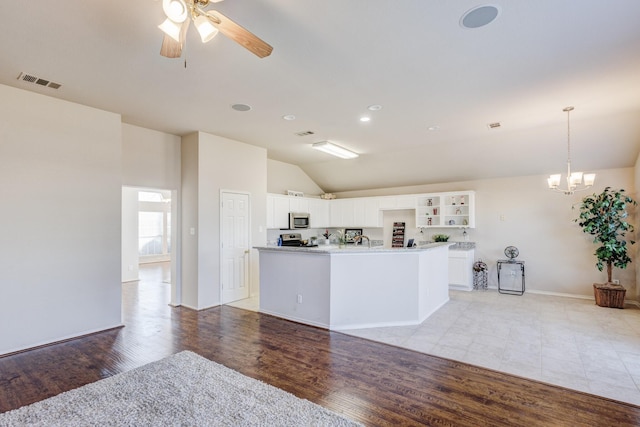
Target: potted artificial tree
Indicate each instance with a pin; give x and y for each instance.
(604, 216)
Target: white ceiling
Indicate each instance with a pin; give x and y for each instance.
(333, 58)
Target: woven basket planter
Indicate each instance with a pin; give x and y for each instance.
(609, 295)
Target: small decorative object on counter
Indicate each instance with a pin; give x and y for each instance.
(479, 276)
(440, 238)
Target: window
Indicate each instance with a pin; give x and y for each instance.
(154, 226)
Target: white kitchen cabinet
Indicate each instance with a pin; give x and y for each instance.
(372, 213)
(366, 212)
(299, 204)
(277, 211)
(319, 211)
(342, 213)
(446, 210)
(461, 269)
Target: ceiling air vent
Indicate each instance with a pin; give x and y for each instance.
(305, 133)
(495, 125)
(29, 78)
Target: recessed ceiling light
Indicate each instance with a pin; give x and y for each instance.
(479, 16)
(241, 107)
(289, 117)
(365, 119)
(433, 128)
(374, 107)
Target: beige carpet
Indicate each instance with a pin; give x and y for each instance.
(184, 389)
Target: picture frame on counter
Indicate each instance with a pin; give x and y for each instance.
(351, 233)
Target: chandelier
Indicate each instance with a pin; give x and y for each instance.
(575, 181)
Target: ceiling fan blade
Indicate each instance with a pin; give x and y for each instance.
(171, 48)
(239, 34)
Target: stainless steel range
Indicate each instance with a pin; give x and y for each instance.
(294, 239)
(291, 239)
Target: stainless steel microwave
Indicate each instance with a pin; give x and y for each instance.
(299, 220)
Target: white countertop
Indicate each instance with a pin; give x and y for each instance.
(333, 249)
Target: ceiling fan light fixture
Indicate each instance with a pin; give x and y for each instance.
(171, 29)
(176, 10)
(205, 28)
(334, 150)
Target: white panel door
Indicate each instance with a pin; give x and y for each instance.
(235, 216)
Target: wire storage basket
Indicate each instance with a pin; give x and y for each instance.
(480, 276)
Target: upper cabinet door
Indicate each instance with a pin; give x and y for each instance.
(319, 211)
(277, 211)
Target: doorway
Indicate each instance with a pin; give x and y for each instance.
(235, 226)
(149, 223)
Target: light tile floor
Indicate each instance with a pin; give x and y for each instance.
(251, 303)
(563, 341)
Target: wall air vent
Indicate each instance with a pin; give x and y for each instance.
(495, 125)
(30, 78)
(305, 133)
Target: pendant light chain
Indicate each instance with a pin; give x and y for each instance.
(568, 110)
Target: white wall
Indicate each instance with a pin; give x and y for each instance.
(285, 176)
(559, 257)
(150, 159)
(60, 169)
(210, 164)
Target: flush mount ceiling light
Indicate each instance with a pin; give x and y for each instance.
(479, 16)
(207, 22)
(335, 150)
(374, 107)
(365, 119)
(574, 180)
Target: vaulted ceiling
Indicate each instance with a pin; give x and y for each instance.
(333, 59)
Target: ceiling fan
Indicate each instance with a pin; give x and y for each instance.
(208, 23)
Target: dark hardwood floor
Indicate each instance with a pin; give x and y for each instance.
(370, 382)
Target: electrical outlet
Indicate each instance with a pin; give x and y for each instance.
(616, 281)
(299, 298)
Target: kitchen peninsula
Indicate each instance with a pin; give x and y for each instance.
(353, 287)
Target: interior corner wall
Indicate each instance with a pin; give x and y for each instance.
(521, 211)
(60, 169)
(283, 176)
(190, 230)
(211, 164)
